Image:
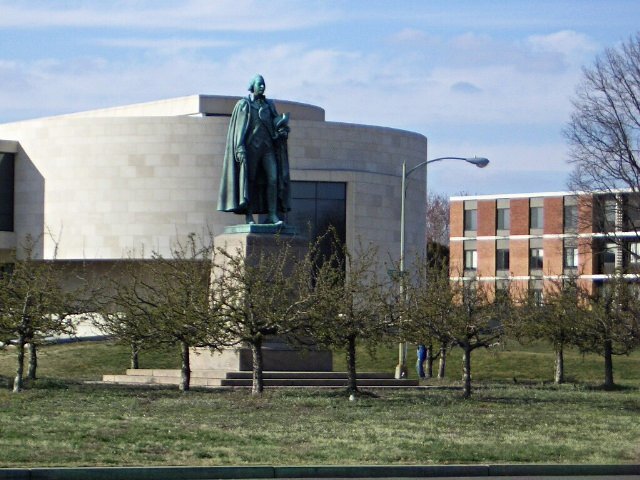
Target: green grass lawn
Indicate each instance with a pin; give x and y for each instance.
(59, 420)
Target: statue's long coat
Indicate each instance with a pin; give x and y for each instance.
(235, 193)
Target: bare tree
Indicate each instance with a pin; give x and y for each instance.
(33, 305)
(264, 293)
(604, 132)
(425, 300)
(437, 226)
(354, 305)
(612, 326)
(556, 317)
(466, 314)
(124, 313)
(168, 301)
(437, 236)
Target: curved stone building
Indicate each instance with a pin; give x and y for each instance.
(104, 183)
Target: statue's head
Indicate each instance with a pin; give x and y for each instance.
(257, 84)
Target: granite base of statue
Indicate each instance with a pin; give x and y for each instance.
(278, 355)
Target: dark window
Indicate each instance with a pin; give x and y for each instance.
(470, 220)
(536, 256)
(503, 219)
(606, 214)
(570, 218)
(632, 211)
(537, 292)
(536, 217)
(6, 269)
(6, 191)
(316, 206)
(502, 259)
(607, 258)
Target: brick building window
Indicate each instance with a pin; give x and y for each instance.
(471, 260)
(632, 211)
(502, 259)
(605, 213)
(607, 258)
(536, 218)
(503, 218)
(570, 218)
(470, 220)
(536, 257)
(570, 257)
(633, 257)
(536, 290)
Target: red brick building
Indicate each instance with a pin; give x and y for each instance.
(534, 238)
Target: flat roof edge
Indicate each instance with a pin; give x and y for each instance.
(500, 196)
(8, 146)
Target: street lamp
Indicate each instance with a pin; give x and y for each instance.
(480, 162)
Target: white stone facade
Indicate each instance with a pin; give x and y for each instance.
(108, 182)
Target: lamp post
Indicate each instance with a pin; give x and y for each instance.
(480, 162)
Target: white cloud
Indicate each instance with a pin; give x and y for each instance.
(165, 45)
(566, 42)
(203, 15)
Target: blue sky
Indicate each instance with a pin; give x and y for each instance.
(477, 77)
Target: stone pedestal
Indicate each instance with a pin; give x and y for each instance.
(277, 358)
(278, 355)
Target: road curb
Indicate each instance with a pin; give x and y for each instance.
(319, 471)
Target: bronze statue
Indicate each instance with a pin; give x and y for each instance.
(255, 173)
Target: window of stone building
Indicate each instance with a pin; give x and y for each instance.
(316, 206)
(6, 191)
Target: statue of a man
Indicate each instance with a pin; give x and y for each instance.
(255, 174)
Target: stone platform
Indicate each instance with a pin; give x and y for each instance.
(222, 378)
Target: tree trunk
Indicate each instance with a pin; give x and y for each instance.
(559, 375)
(185, 370)
(608, 365)
(257, 385)
(466, 371)
(429, 370)
(135, 360)
(32, 369)
(352, 384)
(442, 365)
(18, 381)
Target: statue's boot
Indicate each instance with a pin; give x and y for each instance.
(249, 219)
(272, 196)
(273, 219)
